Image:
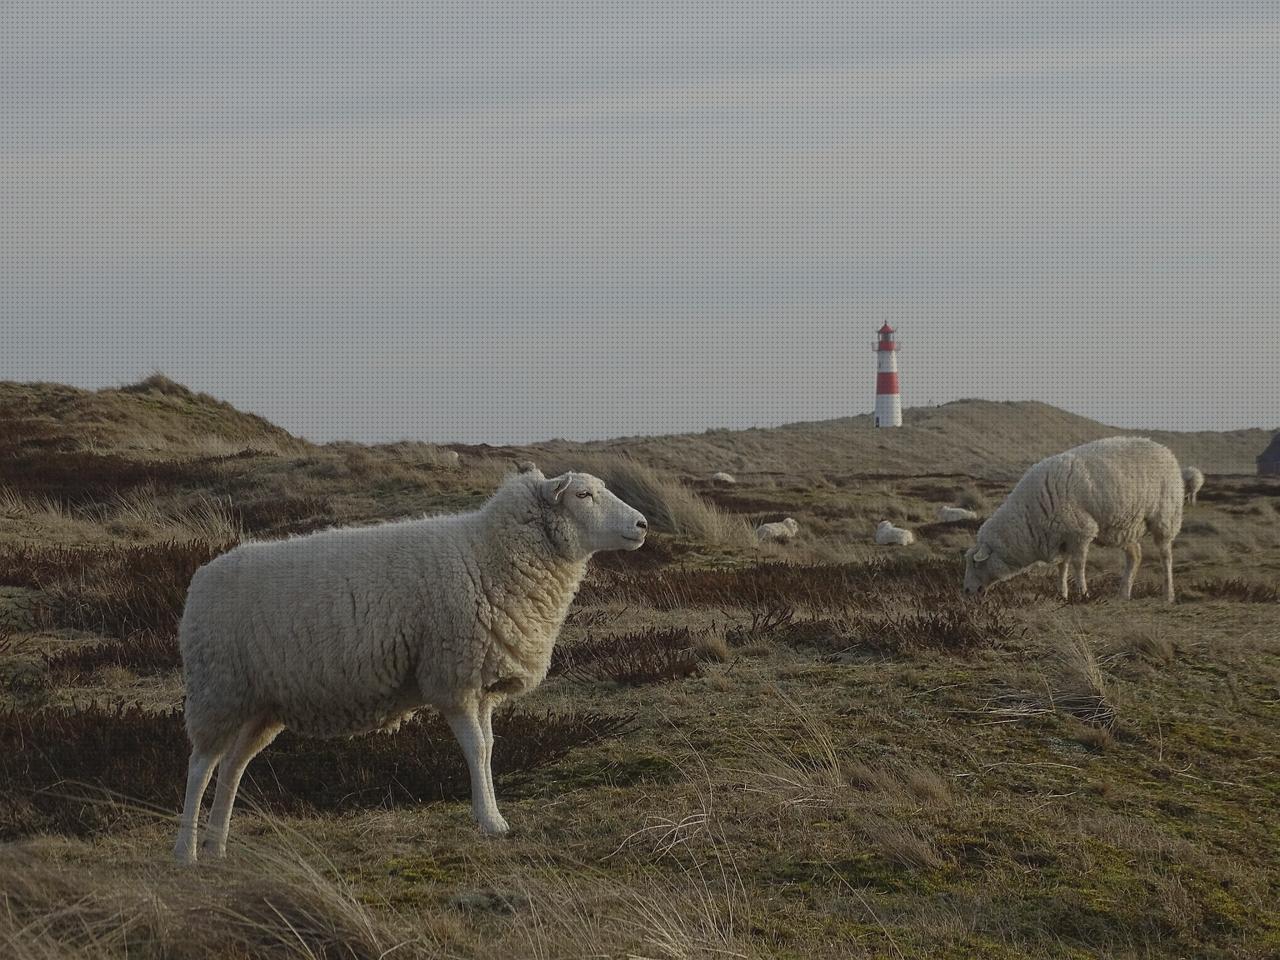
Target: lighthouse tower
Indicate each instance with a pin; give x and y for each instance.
(888, 401)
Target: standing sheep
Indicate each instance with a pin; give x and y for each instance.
(889, 535)
(784, 531)
(1193, 480)
(955, 514)
(348, 631)
(1113, 491)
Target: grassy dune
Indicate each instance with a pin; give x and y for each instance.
(818, 750)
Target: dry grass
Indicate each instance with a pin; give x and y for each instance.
(279, 899)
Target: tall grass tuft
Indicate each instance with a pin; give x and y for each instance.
(668, 505)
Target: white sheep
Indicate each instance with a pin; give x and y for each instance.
(889, 535)
(1192, 480)
(723, 479)
(348, 631)
(954, 514)
(784, 531)
(1111, 491)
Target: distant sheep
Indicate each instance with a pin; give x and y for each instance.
(1193, 481)
(889, 535)
(348, 631)
(723, 479)
(784, 531)
(955, 514)
(1110, 491)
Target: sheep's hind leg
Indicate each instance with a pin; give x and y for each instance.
(1132, 560)
(252, 739)
(1166, 556)
(469, 729)
(1064, 571)
(199, 771)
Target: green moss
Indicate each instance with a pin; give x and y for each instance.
(425, 870)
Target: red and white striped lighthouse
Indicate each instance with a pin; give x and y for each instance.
(888, 400)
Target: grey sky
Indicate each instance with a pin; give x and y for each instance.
(513, 221)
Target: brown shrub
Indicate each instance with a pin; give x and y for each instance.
(1235, 588)
(79, 476)
(961, 627)
(60, 766)
(120, 591)
(765, 585)
(765, 623)
(633, 659)
(142, 652)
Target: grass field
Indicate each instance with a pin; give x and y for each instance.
(818, 750)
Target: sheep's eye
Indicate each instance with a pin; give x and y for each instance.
(585, 494)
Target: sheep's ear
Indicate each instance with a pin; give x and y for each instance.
(982, 553)
(553, 489)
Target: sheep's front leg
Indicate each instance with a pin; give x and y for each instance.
(469, 729)
(1081, 559)
(1064, 571)
(486, 725)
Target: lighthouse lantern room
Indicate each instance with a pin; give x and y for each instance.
(888, 400)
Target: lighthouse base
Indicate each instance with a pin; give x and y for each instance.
(889, 410)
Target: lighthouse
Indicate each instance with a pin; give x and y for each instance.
(888, 400)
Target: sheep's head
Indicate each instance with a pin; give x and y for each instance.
(983, 566)
(585, 518)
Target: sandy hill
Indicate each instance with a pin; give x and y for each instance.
(156, 417)
(977, 437)
(161, 418)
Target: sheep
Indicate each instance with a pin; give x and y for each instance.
(784, 531)
(1192, 480)
(351, 630)
(954, 514)
(723, 479)
(1111, 491)
(889, 535)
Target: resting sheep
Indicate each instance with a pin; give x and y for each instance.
(955, 514)
(348, 631)
(723, 479)
(1111, 491)
(784, 531)
(889, 535)
(1193, 480)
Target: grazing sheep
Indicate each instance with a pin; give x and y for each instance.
(889, 535)
(723, 479)
(784, 531)
(1193, 480)
(954, 514)
(1111, 491)
(351, 630)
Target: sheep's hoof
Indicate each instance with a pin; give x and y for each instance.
(498, 827)
(184, 854)
(214, 850)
